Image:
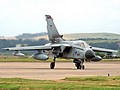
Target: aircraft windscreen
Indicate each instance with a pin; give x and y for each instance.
(82, 44)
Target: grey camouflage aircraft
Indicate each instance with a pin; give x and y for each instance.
(79, 50)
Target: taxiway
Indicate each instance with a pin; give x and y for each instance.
(41, 71)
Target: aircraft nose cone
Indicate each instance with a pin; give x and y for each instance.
(89, 54)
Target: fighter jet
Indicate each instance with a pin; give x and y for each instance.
(79, 50)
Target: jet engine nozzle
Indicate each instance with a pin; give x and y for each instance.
(89, 54)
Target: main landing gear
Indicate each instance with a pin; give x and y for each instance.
(79, 64)
(52, 64)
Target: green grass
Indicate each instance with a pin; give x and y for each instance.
(21, 59)
(111, 60)
(73, 83)
(15, 59)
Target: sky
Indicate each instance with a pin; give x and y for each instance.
(70, 16)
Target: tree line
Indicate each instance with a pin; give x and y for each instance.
(107, 45)
(30, 36)
(12, 43)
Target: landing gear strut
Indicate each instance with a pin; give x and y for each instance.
(79, 64)
(52, 64)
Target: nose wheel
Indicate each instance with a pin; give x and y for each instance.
(79, 64)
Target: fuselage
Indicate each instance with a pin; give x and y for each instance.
(76, 50)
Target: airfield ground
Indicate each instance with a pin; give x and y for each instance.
(41, 71)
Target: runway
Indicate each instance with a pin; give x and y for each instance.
(41, 71)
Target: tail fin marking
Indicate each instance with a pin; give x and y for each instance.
(52, 30)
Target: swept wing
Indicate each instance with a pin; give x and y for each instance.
(96, 49)
(44, 47)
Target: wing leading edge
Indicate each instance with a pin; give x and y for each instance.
(44, 47)
(96, 49)
(29, 48)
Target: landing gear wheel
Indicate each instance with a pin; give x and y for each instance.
(52, 65)
(77, 65)
(83, 67)
(80, 67)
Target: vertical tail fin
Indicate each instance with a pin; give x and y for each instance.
(53, 34)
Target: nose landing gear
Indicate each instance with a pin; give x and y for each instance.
(79, 64)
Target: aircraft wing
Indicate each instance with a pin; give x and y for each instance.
(44, 47)
(96, 49)
(59, 45)
(27, 48)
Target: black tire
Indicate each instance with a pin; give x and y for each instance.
(80, 67)
(83, 67)
(77, 65)
(52, 65)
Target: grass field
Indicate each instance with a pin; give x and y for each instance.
(21, 59)
(75, 83)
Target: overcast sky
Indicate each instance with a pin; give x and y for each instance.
(70, 16)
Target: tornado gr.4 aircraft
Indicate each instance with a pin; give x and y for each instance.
(60, 48)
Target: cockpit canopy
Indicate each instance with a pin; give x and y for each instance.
(83, 44)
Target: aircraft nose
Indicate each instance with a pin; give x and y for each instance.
(89, 54)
